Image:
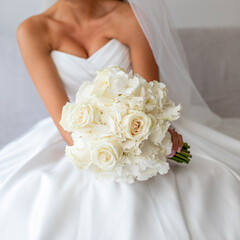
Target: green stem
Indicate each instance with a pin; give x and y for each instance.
(186, 154)
(185, 145)
(181, 156)
(177, 159)
(184, 150)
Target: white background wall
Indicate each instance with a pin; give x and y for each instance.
(12, 12)
(185, 13)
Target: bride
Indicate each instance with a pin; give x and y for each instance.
(81, 29)
(43, 197)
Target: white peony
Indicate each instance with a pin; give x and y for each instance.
(81, 138)
(166, 144)
(170, 112)
(84, 92)
(104, 82)
(159, 133)
(159, 91)
(100, 131)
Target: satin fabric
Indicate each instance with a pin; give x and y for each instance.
(42, 197)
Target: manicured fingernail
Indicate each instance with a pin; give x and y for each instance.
(170, 155)
(179, 149)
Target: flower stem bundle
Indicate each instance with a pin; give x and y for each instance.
(184, 156)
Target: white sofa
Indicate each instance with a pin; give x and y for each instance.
(214, 60)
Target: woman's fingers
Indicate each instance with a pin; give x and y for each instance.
(177, 141)
(180, 143)
(174, 139)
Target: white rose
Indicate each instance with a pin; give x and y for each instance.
(106, 152)
(136, 125)
(78, 116)
(79, 156)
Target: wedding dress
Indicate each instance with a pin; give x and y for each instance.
(43, 197)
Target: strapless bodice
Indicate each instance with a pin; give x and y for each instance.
(74, 70)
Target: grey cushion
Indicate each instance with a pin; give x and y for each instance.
(214, 61)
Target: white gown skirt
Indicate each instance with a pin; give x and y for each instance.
(42, 197)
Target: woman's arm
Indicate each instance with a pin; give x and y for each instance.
(143, 61)
(130, 33)
(32, 36)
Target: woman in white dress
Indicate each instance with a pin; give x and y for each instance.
(43, 197)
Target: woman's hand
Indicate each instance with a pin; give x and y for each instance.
(177, 141)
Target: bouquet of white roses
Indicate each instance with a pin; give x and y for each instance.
(119, 124)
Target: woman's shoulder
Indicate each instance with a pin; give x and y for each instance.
(125, 21)
(39, 27)
(38, 22)
(36, 26)
(34, 33)
(123, 10)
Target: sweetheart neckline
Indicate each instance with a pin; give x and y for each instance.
(86, 59)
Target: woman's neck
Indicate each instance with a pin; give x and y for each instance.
(79, 11)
